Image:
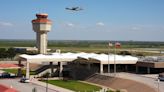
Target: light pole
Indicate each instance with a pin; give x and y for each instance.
(47, 75)
(158, 84)
(47, 84)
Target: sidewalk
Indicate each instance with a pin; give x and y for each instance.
(50, 86)
(153, 76)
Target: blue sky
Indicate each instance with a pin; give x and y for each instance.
(140, 20)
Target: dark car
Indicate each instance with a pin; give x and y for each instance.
(161, 76)
(5, 75)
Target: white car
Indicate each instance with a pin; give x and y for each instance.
(24, 80)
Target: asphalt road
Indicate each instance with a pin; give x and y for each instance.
(23, 87)
(152, 82)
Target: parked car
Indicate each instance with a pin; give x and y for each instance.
(7, 75)
(161, 76)
(24, 80)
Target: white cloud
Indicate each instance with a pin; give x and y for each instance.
(135, 28)
(100, 24)
(70, 24)
(5, 24)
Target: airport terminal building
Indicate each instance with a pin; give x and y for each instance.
(85, 64)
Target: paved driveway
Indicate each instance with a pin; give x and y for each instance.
(23, 87)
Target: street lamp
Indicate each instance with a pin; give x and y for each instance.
(47, 75)
(158, 84)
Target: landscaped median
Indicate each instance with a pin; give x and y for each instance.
(74, 85)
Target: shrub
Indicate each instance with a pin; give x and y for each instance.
(118, 91)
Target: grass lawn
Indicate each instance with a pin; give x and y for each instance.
(75, 85)
(15, 71)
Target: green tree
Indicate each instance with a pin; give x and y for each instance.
(11, 53)
(3, 53)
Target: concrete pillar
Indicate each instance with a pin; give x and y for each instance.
(27, 70)
(19, 69)
(148, 70)
(101, 68)
(61, 69)
(136, 69)
(126, 68)
(52, 68)
(89, 66)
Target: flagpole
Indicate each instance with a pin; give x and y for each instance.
(108, 61)
(114, 60)
(110, 45)
(117, 45)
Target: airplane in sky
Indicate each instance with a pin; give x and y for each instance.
(74, 8)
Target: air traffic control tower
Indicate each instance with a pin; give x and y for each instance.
(41, 26)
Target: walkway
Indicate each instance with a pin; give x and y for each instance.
(120, 83)
(151, 81)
